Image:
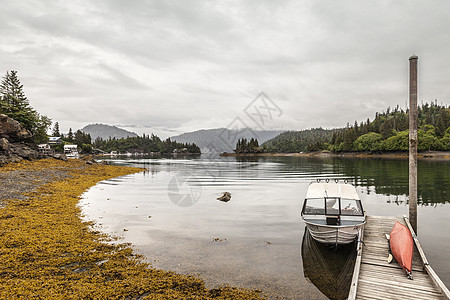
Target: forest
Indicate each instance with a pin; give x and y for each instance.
(145, 144)
(314, 139)
(248, 146)
(387, 132)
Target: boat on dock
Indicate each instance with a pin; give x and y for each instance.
(333, 212)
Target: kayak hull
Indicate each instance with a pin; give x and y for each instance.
(402, 246)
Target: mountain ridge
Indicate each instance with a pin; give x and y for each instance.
(106, 131)
(223, 139)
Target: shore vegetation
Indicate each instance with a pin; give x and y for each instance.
(48, 252)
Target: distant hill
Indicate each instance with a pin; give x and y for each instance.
(300, 141)
(387, 132)
(106, 131)
(222, 139)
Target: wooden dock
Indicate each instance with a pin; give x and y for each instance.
(374, 278)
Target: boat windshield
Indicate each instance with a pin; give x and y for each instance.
(314, 207)
(350, 207)
(333, 206)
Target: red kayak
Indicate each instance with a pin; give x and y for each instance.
(402, 246)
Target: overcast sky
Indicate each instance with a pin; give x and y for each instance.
(177, 66)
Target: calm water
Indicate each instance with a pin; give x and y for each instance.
(171, 215)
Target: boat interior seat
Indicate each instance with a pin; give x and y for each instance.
(333, 220)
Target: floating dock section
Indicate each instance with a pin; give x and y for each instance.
(375, 278)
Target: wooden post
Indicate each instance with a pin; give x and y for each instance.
(413, 141)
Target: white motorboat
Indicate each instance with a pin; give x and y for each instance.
(333, 212)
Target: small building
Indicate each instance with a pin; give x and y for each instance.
(54, 140)
(45, 149)
(71, 151)
(183, 150)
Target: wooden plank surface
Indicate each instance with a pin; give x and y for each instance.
(380, 280)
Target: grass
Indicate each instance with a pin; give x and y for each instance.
(47, 251)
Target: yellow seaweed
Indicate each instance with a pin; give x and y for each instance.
(47, 251)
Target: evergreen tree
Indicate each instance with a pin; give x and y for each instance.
(55, 131)
(40, 131)
(70, 135)
(15, 104)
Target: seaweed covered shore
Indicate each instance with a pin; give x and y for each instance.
(47, 251)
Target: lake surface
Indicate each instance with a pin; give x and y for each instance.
(171, 215)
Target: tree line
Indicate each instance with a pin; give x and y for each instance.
(314, 139)
(388, 131)
(145, 144)
(248, 146)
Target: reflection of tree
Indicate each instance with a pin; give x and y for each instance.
(390, 177)
(382, 176)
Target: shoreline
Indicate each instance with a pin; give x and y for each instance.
(49, 252)
(400, 155)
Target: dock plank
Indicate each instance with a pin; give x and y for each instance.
(377, 279)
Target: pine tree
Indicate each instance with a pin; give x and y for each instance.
(70, 135)
(14, 103)
(55, 131)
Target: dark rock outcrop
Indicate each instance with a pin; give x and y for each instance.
(13, 131)
(225, 197)
(16, 142)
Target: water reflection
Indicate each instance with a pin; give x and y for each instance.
(376, 175)
(390, 177)
(267, 195)
(380, 176)
(328, 269)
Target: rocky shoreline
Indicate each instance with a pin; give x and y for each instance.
(16, 143)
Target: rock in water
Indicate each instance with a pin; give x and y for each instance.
(225, 197)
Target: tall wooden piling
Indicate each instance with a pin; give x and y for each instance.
(413, 141)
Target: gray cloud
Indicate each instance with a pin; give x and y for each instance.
(182, 66)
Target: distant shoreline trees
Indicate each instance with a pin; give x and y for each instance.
(314, 139)
(145, 144)
(387, 132)
(248, 146)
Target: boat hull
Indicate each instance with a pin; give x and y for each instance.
(335, 235)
